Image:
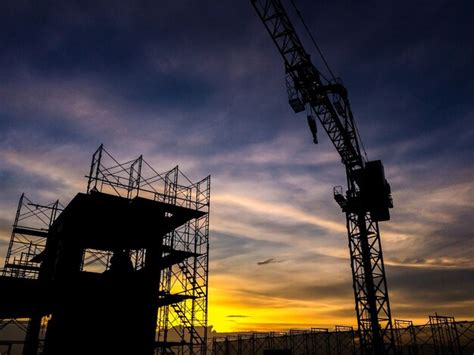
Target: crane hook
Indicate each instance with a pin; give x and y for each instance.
(313, 128)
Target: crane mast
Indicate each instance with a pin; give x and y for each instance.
(367, 199)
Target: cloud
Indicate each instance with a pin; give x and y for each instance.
(283, 212)
(419, 291)
(285, 149)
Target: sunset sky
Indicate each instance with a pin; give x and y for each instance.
(200, 84)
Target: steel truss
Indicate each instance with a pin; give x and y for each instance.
(370, 287)
(181, 326)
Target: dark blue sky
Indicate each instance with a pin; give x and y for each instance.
(200, 84)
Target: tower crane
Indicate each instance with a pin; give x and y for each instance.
(367, 200)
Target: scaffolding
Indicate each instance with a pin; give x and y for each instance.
(24, 256)
(440, 335)
(182, 325)
(154, 207)
(28, 238)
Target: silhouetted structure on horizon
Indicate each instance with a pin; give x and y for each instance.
(441, 335)
(121, 269)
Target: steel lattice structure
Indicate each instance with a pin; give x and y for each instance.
(181, 326)
(24, 254)
(187, 321)
(368, 194)
(369, 283)
(28, 238)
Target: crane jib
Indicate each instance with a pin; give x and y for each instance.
(307, 83)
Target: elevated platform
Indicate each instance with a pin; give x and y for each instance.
(29, 297)
(42, 233)
(107, 222)
(167, 299)
(174, 257)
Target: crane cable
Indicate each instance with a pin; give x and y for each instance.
(360, 140)
(312, 39)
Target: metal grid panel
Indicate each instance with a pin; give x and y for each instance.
(440, 336)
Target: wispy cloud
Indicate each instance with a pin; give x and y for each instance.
(280, 211)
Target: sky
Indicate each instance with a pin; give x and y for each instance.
(200, 84)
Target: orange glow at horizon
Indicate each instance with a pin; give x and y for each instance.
(231, 310)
